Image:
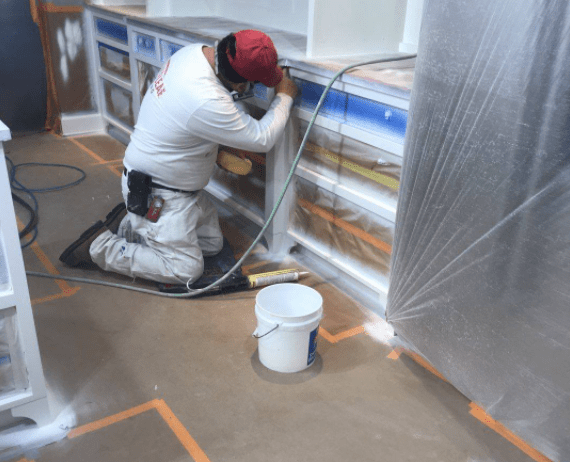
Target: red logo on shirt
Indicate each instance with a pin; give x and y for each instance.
(159, 82)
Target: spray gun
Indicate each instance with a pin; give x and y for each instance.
(248, 93)
(237, 281)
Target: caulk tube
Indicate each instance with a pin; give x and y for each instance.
(275, 277)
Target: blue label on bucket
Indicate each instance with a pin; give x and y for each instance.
(312, 346)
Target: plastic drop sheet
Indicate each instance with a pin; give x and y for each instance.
(351, 164)
(13, 375)
(147, 75)
(115, 61)
(119, 103)
(480, 278)
(343, 230)
(6, 375)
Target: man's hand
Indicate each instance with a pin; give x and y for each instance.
(286, 85)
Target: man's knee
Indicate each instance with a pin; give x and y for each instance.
(189, 273)
(212, 246)
(218, 245)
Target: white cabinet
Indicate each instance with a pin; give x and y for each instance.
(332, 28)
(22, 383)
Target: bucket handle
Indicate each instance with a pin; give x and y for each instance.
(259, 336)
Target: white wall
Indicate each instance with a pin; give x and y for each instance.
(287, 15)
(119, 2)
(182, 7)
(411, 37)
(333, 28)
(344, 27)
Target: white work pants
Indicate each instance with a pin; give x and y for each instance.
(170, 250)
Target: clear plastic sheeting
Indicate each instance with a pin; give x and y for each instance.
(6, 375)
(119, 103)
(115, 61)
(481, 263)
(147, 74)
(340, 229)
(353, 164)
(12, 371)
(4, 274)
(247, 190)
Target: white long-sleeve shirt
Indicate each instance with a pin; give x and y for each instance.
(186, 114)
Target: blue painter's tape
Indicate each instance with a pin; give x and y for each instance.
(116, 50)
(111, 29)
(334, 106)
(168, 49)
(312, 346)
(353, 110)
(260, 91)
(144, 44)
(374, 116)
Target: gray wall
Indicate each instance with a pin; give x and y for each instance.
(22, 69)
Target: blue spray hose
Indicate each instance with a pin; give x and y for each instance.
(193, 293)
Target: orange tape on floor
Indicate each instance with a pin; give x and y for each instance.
(42, 257)
(361, 234)
(49, 298)
(100, 161)
(326, 335)
(341, 335)
(102, 423)
(66, 291)
(477, 411)
(167, 415)
(113, 162)
(395, 354)
(482, 416)
(181, 433)
(84, 148)
(349, 333)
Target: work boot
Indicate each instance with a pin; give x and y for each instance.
(77, 254)
(114, 218)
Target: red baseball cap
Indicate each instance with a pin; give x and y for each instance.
(256, 58)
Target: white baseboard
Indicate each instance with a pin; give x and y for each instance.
(408, 47)
(82, 124)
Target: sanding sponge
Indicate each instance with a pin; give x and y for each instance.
(233, 163)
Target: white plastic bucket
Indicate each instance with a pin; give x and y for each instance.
(288, 317)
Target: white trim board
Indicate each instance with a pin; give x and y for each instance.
(82, 124)
(5, 134)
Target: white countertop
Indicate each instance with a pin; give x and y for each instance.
(393, 78)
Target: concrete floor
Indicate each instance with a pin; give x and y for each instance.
(193, 365)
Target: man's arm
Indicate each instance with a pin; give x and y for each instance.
(221, 121)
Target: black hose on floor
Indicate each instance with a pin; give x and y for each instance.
(32, 226)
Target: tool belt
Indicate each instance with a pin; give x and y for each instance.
(140, 187)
